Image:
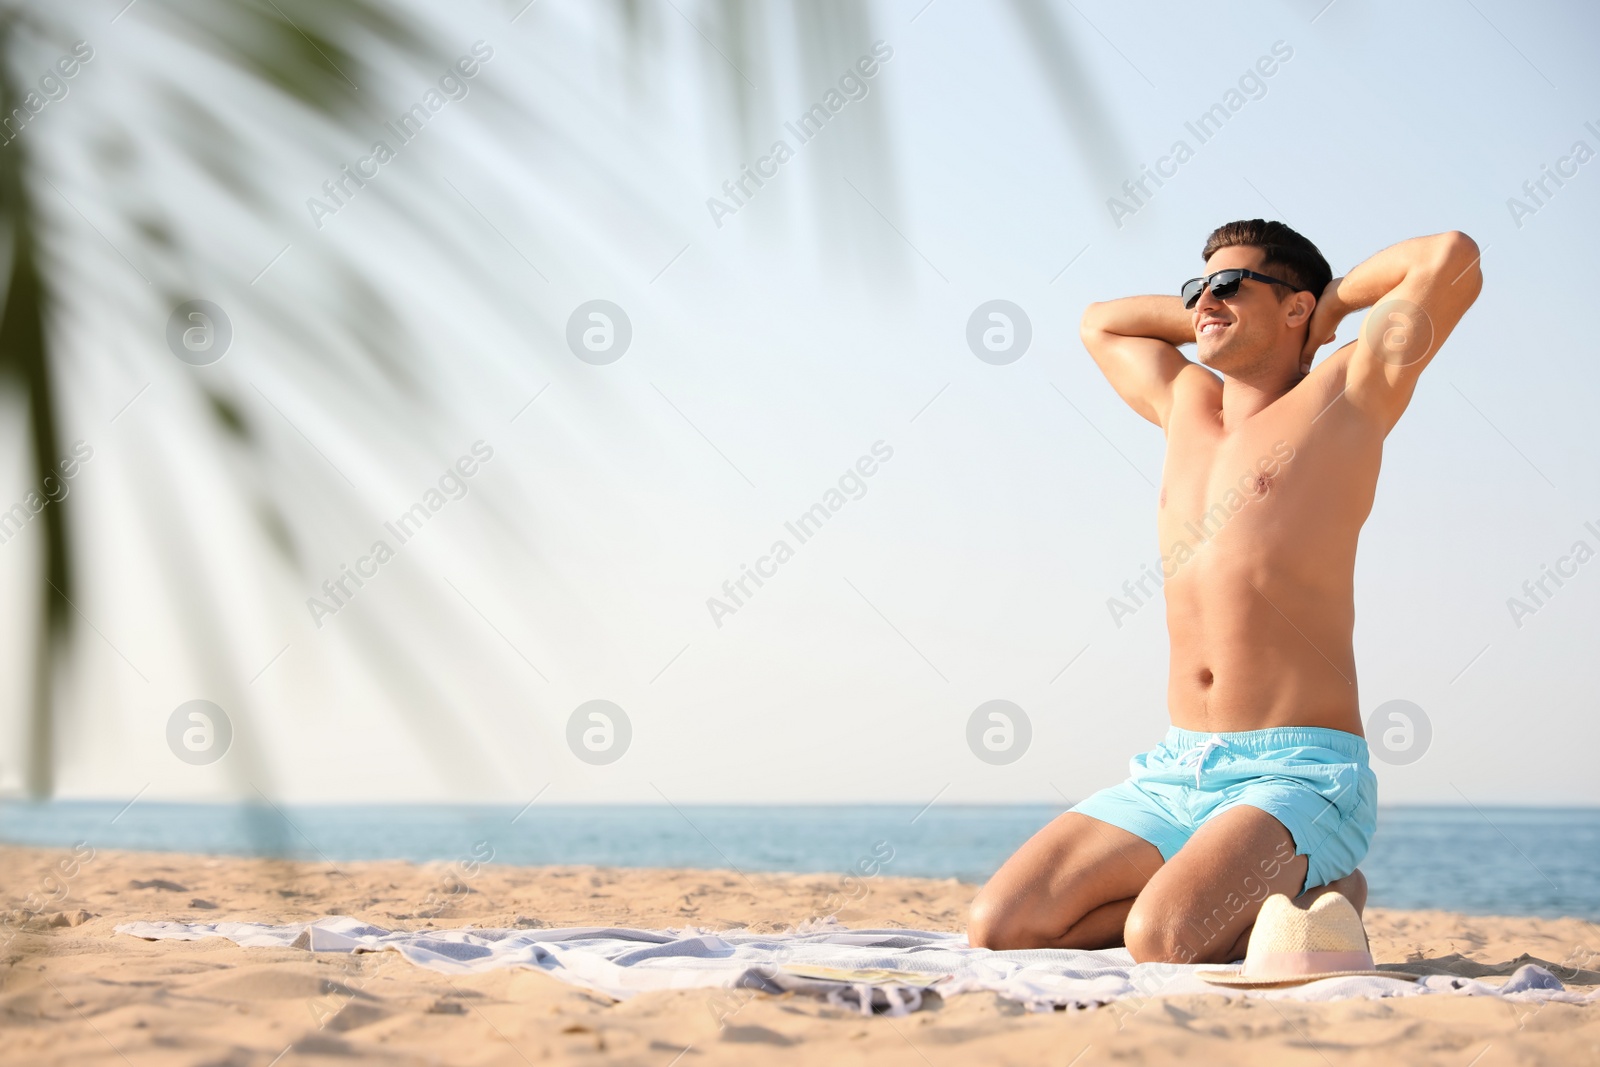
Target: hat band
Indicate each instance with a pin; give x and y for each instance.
(1286, 964)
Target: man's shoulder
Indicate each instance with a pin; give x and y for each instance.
(1197, 395)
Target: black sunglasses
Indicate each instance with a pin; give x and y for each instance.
(1224, 283)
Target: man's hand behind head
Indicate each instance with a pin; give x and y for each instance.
(1324, 323)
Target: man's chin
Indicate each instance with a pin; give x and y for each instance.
(1222, 359)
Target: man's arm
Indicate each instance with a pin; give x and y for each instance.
(1135, 343)
(1418, 290)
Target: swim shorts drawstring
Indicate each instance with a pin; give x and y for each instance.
(1199, 753)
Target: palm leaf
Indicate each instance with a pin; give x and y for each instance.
(25, 365)
(317, 60)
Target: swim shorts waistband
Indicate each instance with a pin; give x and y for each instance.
(1273, 739)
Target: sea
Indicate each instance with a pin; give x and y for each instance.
(1498, 861)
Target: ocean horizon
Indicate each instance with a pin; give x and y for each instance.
(1533, 861)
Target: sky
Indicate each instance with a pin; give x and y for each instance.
(779, 349)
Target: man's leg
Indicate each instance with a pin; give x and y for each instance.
(1070, 885)
(1200, 906)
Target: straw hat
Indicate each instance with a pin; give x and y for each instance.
(1289, 946)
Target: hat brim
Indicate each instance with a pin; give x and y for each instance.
(1248, 981)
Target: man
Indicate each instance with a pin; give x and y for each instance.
(1262, 785)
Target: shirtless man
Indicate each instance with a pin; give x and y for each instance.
(1262, 784)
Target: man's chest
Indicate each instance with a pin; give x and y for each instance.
(1206, 467)
(1284, 473)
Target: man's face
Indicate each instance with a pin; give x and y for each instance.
(1236, 334)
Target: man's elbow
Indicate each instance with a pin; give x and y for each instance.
(1093, 324)
(1460, 258)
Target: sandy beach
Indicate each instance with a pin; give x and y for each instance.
(74, 992)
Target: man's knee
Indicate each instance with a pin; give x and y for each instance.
(1155, 935)
(996, 921)
(1147, 939)
(1353, 887)
(986, 923)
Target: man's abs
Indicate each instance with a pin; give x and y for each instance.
(1249, 653)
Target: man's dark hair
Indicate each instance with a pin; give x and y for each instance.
(1287, 254)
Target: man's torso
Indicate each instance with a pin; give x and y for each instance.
(1258, 528)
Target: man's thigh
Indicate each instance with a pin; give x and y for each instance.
(1073, 866)
(1198, 905)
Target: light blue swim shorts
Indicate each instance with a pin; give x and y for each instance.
(1314, 780)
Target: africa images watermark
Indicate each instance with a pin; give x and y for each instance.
(199, 732)
(803, 528)
(1255, 891)
(453, 482)
(1252, 86)
(599, 732)
(1579, 154)
(53, 890)
(999, 732)
(1254, 484)
(453, 85)
(1537, 592)
(52, 490)
(852, 86)
(52, 88)
(1200, 934)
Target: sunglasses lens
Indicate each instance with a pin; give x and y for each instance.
(1191, 291)
(1226, 284)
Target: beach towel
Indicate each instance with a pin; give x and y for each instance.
(870, 971)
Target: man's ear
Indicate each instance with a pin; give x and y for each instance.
(1301, 305)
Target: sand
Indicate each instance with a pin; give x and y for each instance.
(73, 992)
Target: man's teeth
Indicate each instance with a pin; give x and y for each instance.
(1211, 326)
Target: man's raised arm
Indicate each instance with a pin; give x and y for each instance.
(1135, 343)
(1418, 290)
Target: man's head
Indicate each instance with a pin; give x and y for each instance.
(1262, 325)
